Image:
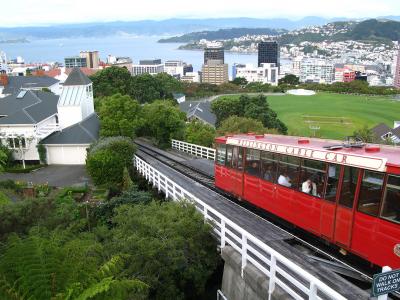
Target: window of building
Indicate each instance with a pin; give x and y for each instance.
(370, 193)
(288, 171)
(349, 186)
(221, 154)
(16, 143)
(253, 162)
(269, 165)
(391, 199)
(332, 182)
(312, 177)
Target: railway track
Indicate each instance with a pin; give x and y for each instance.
(317, 251)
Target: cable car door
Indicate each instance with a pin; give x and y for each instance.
(345, 206)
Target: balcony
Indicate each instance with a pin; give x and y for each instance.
(44, 131)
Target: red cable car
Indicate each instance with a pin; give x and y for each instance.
(347, 194)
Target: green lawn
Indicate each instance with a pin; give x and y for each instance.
(337, 115)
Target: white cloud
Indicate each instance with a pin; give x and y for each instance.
(36, 12)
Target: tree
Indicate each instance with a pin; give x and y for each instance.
(235, 124)
(241, 81)
(110, 81)
(107, 159)
(168, 244)
(289, 79)
(365, 133)
(199, 133)
(3, 159)
(119, 116)
(163, 121)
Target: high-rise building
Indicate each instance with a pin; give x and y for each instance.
(397, 72)
(148, 66)
(214, 52)
(92, 58)
(75, 62)
(268, 52)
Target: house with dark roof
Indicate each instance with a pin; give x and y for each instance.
(66, 125)
(10, 85)
(382, 132)
(199, 110)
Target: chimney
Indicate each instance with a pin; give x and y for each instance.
(3, 80)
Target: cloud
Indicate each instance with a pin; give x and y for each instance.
(40, 12)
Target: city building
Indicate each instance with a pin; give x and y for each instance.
(3, 63)
(92, 58)
(344, 75)
(397, 72)
(191, 77)
(266, 73)
(317, 71)
(66, 125)
(268, 52)
(214, 52)
(120, 61)
(214, 72)
(75, 62)
(175, 68)
(296, 65)
(149, 66)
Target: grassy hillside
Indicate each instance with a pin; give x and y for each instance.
(337, 115)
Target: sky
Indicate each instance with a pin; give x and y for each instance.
(46, 12)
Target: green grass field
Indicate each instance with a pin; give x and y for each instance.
(337, 115)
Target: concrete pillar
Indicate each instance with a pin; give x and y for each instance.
(252, 286)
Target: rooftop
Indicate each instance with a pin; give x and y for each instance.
(15, 83)
(77, 77)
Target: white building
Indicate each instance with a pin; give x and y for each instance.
(317, 71)
(3, 63)
(296, 65)
(66, 125)
(152, 67)
(266, 73)
(174, 68)
(191, 77)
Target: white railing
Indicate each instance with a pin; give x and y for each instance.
(196, 150)
(295, 281)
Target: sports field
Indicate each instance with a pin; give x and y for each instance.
(335, 115)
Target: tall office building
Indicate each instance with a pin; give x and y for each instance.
(397, 72)
(214, 70)
(268, 52)
(92, 58)
(214, 52)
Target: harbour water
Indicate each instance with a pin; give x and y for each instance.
(143, 47)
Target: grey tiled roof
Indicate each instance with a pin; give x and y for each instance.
(200, 110)
(380, 130)
(84, 132)
(76, 77)
(33, 107)
(15, 83)
(396, 131)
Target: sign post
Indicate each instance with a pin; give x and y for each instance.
(386, 282)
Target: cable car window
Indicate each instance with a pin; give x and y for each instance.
(370, 193)
(332, 182)
(253, 162)
(312, 177)
(289, 171)
(391, 199)
(228, 161)
(237, 160)
(269, 165)
(221, 154)
(349, 186)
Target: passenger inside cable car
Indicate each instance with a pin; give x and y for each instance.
(284, 179)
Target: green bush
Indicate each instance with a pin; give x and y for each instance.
(107, 159)
(19, 169)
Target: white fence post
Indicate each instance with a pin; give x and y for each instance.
(244, 253)
(384, 270)
(196, 150)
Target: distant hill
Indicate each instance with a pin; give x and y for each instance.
(375, 29)
(222, 34)
(149, 27)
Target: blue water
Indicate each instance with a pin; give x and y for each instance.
(137, 48)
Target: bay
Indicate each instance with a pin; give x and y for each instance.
(136, 47)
